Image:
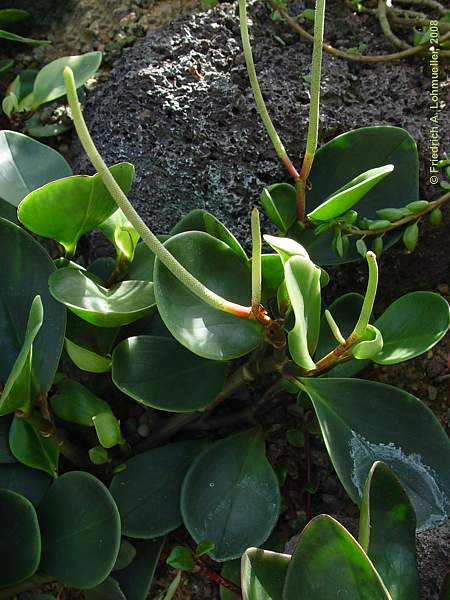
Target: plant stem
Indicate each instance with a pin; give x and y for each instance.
(333, 357)
(28, 584)
(205, 571)
(314, 108)
(408, 219)
(148, 237)
(256, 260)
(259, 100)
(416, 50)
(56, 437)
(386, 28)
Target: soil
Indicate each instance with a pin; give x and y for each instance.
(197, 142)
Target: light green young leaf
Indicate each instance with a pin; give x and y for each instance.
(120, 232)
(263, 574)
(370, 345)
(303, 286)
(86, 360)
(107, 428)
(73, 402)
(286, 247)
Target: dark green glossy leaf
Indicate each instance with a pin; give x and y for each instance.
(80, 527)
(11, 16)
(127, 553)
(303, 286)
(387, 532)
(20, 542)
(16, 394)
(203, 329)
(106, 590)
(147, 493)
(202, 220)
(30, 483)
(49, 84)
(366, 421)
(5, 452)
(97, 339)
(280, 205)
(230, 495)
(328, 562)
(18, 174)
(272, 274)
(136, 579)
(13, 37)
(263, 574)
(86, 360)
(123, 303)
(24, 276)
(85, 198)
(412, 325)
(159, 372)
(73, 402)
(344, 158)
(349, 194)
(31, 448)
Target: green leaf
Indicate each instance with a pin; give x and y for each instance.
(80, 527)
(127, 553)
(97, 339)
(159, 372)
(31, 448)
(285, 247)
(141, 269)
(272, 274)
(75, 403)
(181, 558)
(230, 495)
(231, 570)
(344, 158)
(204, 330)
(107, 428)
(98, 455)
(86, 360)
(388, 425)
(303, 286)
(279, 202)
(106, 590)
(18, 97)
(121, 233)
(12, 37)
(412, 325)
(202, 220)
(19, 155)
(11, 16)
(387, 532)
(370, 344)
(327, 560)
(85, 198)
(20, 542)
(349, 194)
(5, 65)
(263, 574)
(24, 276)
(147, 493)
(136, 579)
(49, 84)
(16, 394)
(28, 482)
(123, 303)
(204, 547)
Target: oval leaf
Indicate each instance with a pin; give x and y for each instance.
(20, 542)
(230, 495)
(49, 84)
(388, 425)
(159, 372)
(203, 329)
(147, 493)
(123, 303)
(303, 286)
(136, 579)
(349, 194)
(18, 173)
(80, 528)
(86, 360)
(75, 403)
(24, 276)
(30, 483)
(327, 560)
(31, 448)
(387, 532)
(85, 198)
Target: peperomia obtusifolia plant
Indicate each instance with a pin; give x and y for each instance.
(86, 503)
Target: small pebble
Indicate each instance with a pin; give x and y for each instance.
(143, 430)
(443, 288)
(430, 354)
(432, 392)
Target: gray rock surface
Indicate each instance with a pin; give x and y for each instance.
(199, 142)
(433, 555)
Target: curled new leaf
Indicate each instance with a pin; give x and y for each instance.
(263, 573)
(370, 344)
